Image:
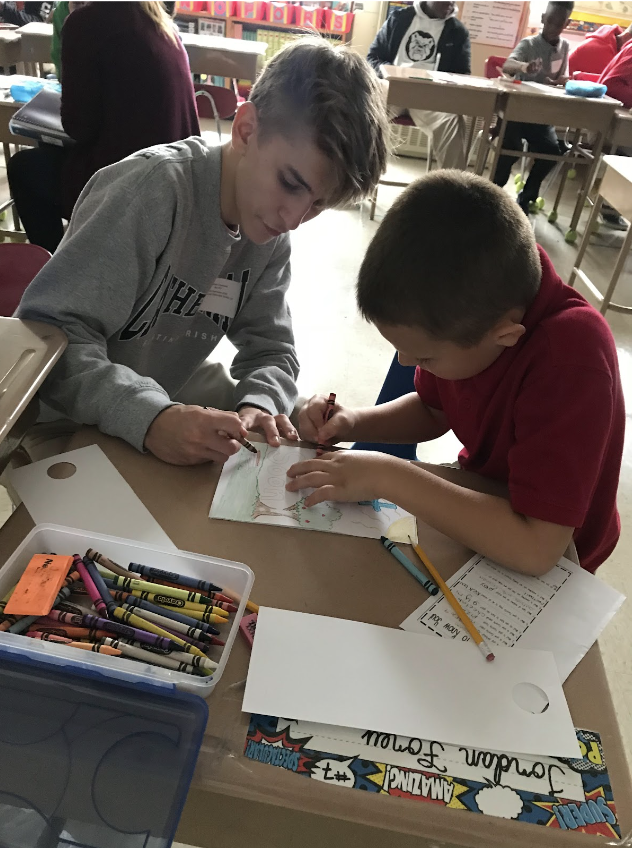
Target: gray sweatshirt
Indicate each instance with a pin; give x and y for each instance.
(145, 243)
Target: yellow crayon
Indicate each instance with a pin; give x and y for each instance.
(128, 583)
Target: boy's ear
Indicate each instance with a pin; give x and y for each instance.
(245, 125)
(508, 332)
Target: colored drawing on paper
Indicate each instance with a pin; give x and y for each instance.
(252, 488)
(500, 785)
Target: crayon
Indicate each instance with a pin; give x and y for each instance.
(189, 659)
(64, 606)
(206, 617)
(410, 567)
(131, 600)
(250, 605)
(331, 402)
(173, 603)
(73, 577)
(167, 623)
(70, 631)
(142, 586)
(95, 596)
(203, 647)
(84, 646)
(25, 622)
(112, 566)
(149, 657)
(192, 582)
(93, 621)
(129, 618)
(98, 582)
(218, 598)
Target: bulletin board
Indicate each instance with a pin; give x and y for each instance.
(499, 24)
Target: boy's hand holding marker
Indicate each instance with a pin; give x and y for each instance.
(325, 423)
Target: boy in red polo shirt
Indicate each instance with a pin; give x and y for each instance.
(518, 364)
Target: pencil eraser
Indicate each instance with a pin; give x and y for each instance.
(38, 587)
(247, 626)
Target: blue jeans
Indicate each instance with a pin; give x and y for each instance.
(399, 381)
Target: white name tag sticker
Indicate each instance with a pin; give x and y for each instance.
(222, 297)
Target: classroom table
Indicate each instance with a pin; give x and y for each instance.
(330, 575)
(615, 189)
(620, 134)
(224, 57)
(547, 104)
(458, 94)
(208, 54)
(10, 53)
(28, 351)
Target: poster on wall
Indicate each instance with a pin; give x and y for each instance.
(495, 23)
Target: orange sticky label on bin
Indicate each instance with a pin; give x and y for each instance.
(39, 585)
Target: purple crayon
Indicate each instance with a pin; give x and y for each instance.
(201, 646)
(93, 592)
(114, 627)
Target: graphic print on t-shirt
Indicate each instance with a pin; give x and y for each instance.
(420, 46)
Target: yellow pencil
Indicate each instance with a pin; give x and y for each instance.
(456, 606)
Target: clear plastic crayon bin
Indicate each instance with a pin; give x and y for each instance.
(50, 538)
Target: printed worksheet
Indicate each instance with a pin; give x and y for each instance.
(252, 488)
(564, 611)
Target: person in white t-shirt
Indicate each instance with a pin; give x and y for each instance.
(428, 35)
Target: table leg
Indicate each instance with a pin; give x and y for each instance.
(584, 243)
(588, 179)
(623, 255)
(499, 144)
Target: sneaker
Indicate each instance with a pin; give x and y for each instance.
(614, 221)
(524, 203)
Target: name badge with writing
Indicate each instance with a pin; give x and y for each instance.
(223, 297)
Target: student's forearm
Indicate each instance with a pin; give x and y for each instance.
(406, 420)
(485, 523)
(513, 66)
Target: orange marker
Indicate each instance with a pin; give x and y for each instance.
(39, 585)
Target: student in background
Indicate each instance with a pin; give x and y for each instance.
(24, 13)
(182, 244)
(418, 37)
(617, 75)
(111, 108)
(519, 365)
(539, 58)
(598, 49)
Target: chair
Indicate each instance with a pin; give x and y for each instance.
(213, 101)
(402, 121)
(19, 263)
(494, 66)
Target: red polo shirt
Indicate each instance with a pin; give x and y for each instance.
(547, 417)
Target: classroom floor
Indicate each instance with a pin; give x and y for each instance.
(339, 351)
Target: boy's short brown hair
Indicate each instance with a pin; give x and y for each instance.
(334, 94)
(452, 256)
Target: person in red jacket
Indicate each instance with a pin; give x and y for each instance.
(617, 75)
(598, 49)
(126, 86)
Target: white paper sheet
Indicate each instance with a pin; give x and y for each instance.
(96, 498)
(252, 488)
(543, 775)
(563, 611)
(339, 672)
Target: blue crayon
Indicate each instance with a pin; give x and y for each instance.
(426, 582)
(201, 586)
(167, 612)
(101, 588)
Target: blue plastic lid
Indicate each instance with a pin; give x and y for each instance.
(91, 763)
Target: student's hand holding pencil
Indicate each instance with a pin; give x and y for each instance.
(324, 423)
(349, 476)
(190, 435)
